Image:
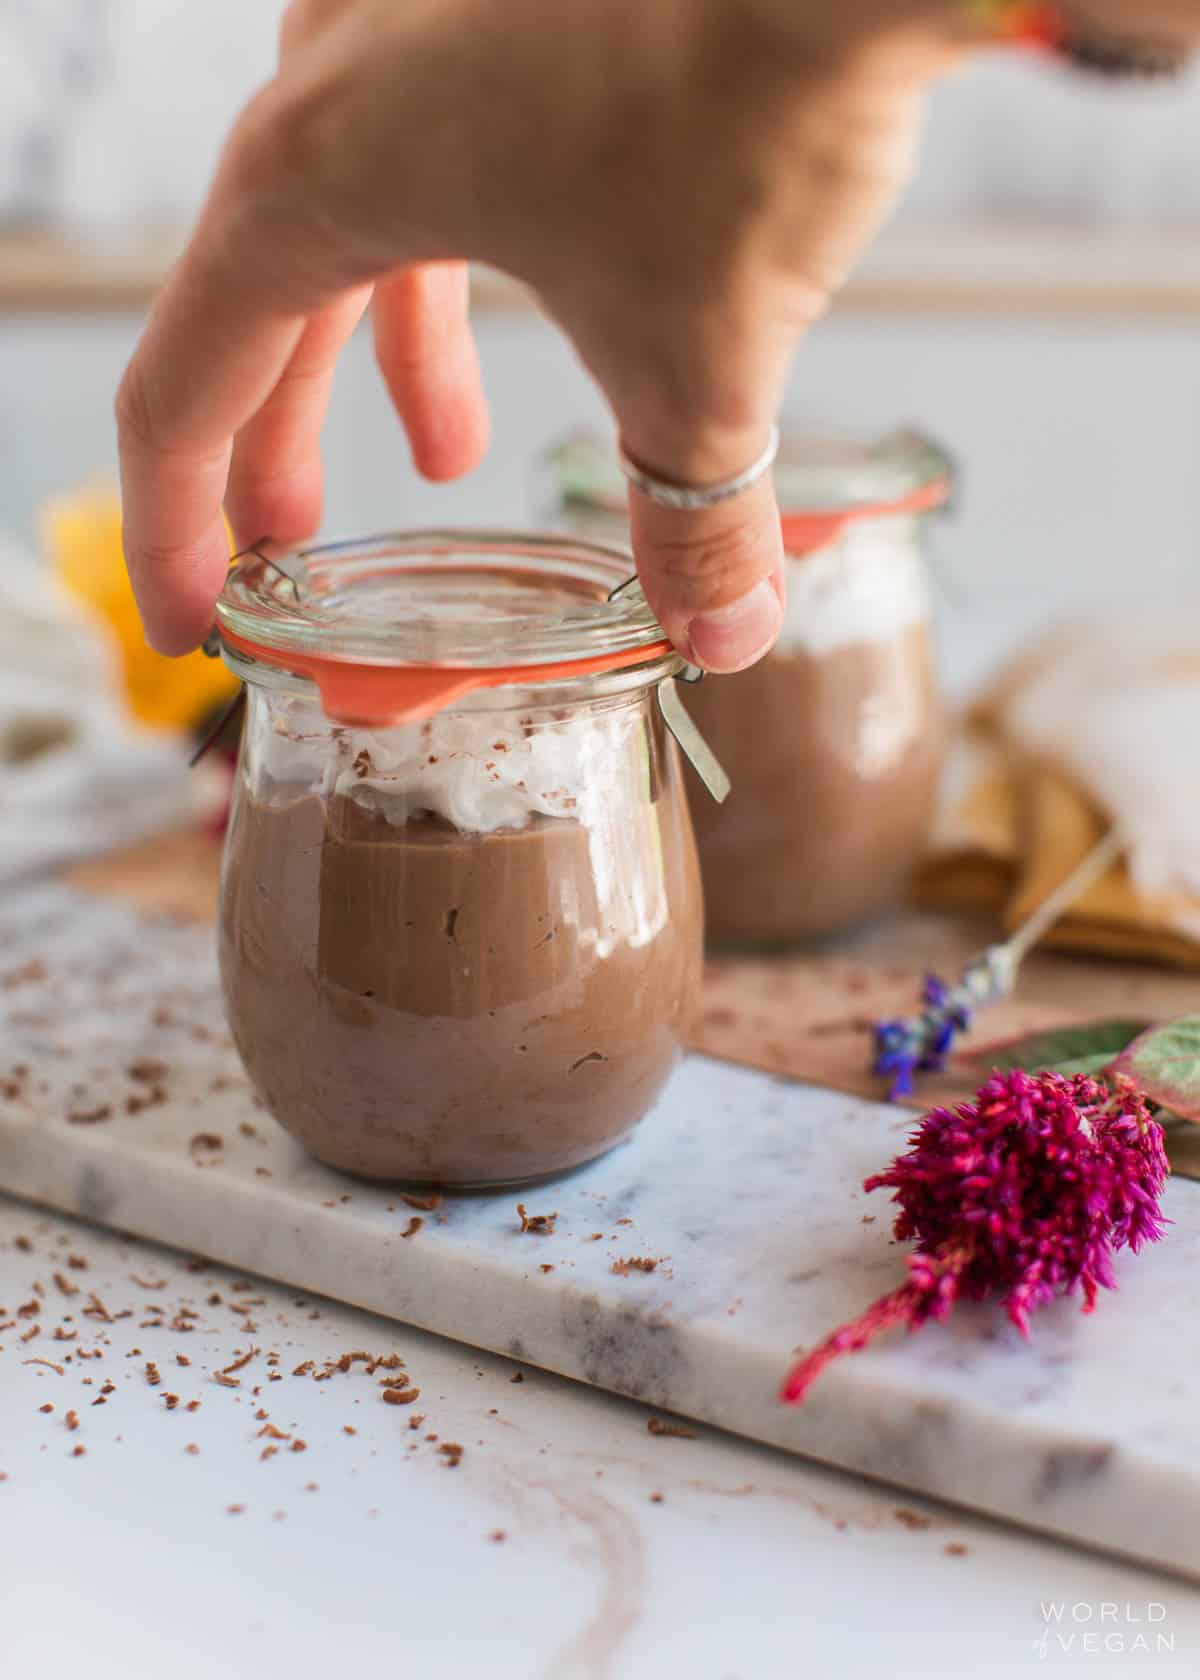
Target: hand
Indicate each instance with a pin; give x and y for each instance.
(684, 183)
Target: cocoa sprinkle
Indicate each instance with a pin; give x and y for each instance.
(536, 1224)
(89, 1116)
(400, 1396)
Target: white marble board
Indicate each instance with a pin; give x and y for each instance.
(743, 1189)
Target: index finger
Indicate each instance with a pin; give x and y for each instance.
(216, 344)
(212, 352)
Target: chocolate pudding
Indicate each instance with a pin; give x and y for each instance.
(834, 757)
(419, 1003)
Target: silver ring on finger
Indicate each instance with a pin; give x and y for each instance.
(686, 498)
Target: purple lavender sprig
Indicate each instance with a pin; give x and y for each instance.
(921, 1043)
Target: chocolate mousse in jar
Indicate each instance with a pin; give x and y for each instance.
(461, 920)
(835, 740)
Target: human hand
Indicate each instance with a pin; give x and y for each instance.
(683, 183)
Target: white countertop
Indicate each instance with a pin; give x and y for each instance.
(127, 1560)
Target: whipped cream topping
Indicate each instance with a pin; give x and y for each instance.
(868, 586)
(480, 770)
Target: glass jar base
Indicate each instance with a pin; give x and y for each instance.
(482, 1186)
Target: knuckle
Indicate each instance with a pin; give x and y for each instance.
(707, 569)
(131, 409)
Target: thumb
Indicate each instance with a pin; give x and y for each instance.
(713, 576)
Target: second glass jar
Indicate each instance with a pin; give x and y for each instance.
(835, 741)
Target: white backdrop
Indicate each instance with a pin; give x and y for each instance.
(113, 110)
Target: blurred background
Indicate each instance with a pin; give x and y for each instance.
(1033, 305)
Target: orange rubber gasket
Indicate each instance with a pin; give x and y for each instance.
(805, 533)
(376, 696)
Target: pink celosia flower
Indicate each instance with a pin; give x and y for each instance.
(1025, 1193)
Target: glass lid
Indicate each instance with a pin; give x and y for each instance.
(472, 599)
(814, 474)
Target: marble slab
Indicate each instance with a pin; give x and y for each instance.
(744, 1190)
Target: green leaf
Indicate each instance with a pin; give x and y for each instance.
(1164, 1063)
(1091, 1048)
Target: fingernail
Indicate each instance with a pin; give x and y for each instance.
(730, 638)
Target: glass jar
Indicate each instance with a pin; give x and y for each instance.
(460, 912)
(835, 740)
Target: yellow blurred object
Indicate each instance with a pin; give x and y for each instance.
(81, 532)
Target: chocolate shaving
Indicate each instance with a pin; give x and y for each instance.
(623, 1268)
(400, 1396)
(414, 1225)
(147, 1072)
(49, 1363)
(89, 1116)
(656, 1426)
(536, 1224)
(239, 1364)
(452, 1453)
(425, 1204)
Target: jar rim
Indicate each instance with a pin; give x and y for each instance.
(445, 597)
(817, 474)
